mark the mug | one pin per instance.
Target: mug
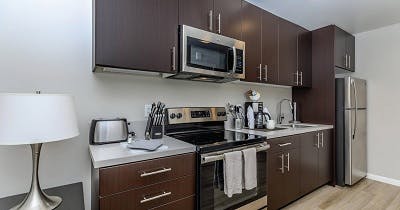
(271, 124)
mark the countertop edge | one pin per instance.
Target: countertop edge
(132, 159)
(287, 132)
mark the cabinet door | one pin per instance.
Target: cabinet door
(340, 48)
(251, 26)
(270, 31)
(136, 34)
(305, 57)
(288, 53)
(196, 13)
(228, 18)
(308, 162)
(276, 184)
(325, 157)
(292, 175)
(350, 46)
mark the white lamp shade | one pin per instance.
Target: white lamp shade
(36, 118)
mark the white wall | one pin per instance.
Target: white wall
(378, 61)
(46, 45)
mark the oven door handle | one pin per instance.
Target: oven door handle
(234, 60)
(212, 157)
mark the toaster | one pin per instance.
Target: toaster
(106, 131)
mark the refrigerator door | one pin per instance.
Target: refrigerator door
(355, 93)
(355, 145)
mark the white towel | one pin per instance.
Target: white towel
(233, 168)
(250, 168)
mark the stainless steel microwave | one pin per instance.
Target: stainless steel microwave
(210, 57)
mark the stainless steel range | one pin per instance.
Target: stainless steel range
(204, 127)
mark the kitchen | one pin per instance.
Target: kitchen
(55, 56)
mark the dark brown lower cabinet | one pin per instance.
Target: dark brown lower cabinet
(153, 196)
(297, 165)
(325, 157)
(309, 162)
(162, 183)
(283, 176)
(316, 160)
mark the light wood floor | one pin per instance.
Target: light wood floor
(366, 195)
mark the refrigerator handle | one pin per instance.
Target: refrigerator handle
(356, 109)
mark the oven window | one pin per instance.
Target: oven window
(206, 55)
(212, 194)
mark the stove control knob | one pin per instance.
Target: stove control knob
(172, 116)
(179, 115)
(223, 113)
(219, 114)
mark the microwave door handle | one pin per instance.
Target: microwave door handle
(234, 60)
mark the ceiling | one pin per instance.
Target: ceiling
(354, 16)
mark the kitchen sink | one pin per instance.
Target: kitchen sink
(268, 130)
(298, 126)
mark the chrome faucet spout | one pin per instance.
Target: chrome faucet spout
(293, 108)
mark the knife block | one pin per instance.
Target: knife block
(156, 132)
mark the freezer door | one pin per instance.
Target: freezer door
(355, 145)
(355, 93)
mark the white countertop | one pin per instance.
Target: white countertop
(285, 132)
(118, 153)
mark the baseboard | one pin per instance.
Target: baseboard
(383, 179)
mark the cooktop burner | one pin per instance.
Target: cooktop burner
(208, 141)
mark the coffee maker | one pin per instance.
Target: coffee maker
(256, 106)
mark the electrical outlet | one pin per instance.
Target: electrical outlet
(147, 110)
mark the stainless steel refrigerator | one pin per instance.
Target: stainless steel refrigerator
(351, 130)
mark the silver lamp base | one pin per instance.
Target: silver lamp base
(36, 199)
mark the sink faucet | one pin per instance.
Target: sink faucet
(293, 107)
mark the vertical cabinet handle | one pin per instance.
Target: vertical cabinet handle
(259, 70)
(345, 64)
(297, 78)
(282, 168)
(173, 52)
(288, 162)
(322, 139)
(219, 23)
(301, 78)
(317, 141)
(210, 20)
(266, 73)
(349, 61)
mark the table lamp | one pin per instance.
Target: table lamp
(35, 119)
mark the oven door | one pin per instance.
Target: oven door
(206, 53)
(211, 194)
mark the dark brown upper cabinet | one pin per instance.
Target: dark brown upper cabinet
(218, 16)
(305, 57)
(251, 26)
(270, 45)
(288, 40)
(197, 13)
(344, 49)
(228, 18)
(136, 34)
(295, 59)
(260, 32)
